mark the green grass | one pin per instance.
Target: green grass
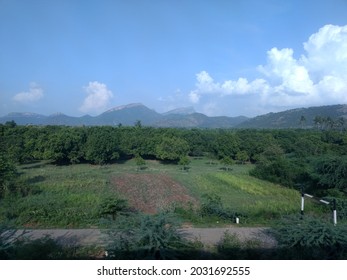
(70, 196)
(259, 202)
(67, 196)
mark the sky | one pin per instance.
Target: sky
(222, 57)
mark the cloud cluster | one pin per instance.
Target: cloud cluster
(98, 97)
(35, 93)
(206, 85)
(317, 77)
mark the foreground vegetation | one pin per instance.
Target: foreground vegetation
(76, 196)
(63, 177)
(157, 237)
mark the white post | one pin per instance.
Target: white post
(334, 212)
(335, 218)
(237, 220)
(302, 203)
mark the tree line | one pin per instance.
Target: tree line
(314, 158)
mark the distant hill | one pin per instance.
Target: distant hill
(295, 118)
(199, 120)
(129, 115)
(184, 118)
(24, 118)
(181, 111)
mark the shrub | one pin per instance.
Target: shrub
(6, 235)
(310, 238)
(212, 206)
(15, 246)
(147, 237)
(231, 247)
(113, 206)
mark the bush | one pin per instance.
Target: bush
(17, 247)
(212, 206)
(6, 235)
(231, 247)
(7, 174)
(147, 237)
(331, 172)
(310, 238)
(113, 206)
(341, 207)
(278, 171)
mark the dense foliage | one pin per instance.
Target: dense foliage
(148, 237)
(316, 159)
(310, 238)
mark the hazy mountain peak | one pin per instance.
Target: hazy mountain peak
(23, 114)
(57, 114)
(184, 117)
(122, 107)
(181, 111)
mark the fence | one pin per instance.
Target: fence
(303, 195)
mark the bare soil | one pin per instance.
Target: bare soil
(150, 193)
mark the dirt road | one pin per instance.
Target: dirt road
(211, 236)
(208, 236)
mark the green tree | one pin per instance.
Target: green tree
(147, 237)
(227, 144)
(318, 122)
(65, 146)
(138, 124)
(255, 142)
(113, 206)
(101, 145)
(227, 162)
(302, 121)
(308, 145)
(7, 173)
(11, 124)
(331, 172)
(140, 162)
(341, 122)
(242, 157)
(184, 162)
(172, 149)
(311, 238)
(274, 167)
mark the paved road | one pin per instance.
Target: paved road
(208, 236)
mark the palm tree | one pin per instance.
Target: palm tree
(302, 121)
(317, 121)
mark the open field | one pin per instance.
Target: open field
(71, 196)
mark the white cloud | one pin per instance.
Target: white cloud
(210, 108)
(207, 86)
(35, 93)
(98, 97)
(194, 96)
(243, 87)
(327, 52)
(319, 76)
(282, 67)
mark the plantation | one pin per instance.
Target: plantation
(131, 178)
(71, 196)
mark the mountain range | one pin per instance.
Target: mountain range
(183, 118)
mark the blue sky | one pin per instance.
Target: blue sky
(223, 57)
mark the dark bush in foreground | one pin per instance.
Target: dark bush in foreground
(14, 247)
(150, 237)
(310, 238)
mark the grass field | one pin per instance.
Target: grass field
(70, 196)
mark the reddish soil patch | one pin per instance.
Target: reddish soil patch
(151, 192)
